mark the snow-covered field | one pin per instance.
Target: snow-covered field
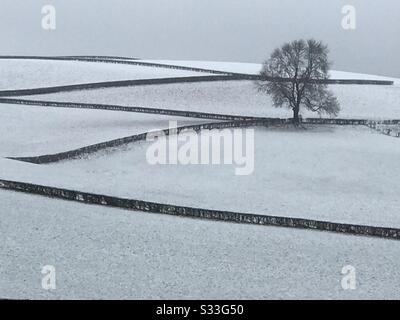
(108, 253)
(340, 174)
(255, 68)
(27, 131)
(237, 97)
(333, 173)
(236, 67)
(26, 74)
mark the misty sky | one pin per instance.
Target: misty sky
(221, 30)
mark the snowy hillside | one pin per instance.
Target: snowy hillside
(341, 174)
(237, 98)
(154, 256)
(25, 74)
(38, 130)
(255, 68)
(327, 186)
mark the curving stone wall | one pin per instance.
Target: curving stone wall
(218, 76)
(246, 122)
(117, 84)
(68, 155)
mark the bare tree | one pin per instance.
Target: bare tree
(294, 76)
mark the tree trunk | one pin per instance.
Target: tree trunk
(296, 118)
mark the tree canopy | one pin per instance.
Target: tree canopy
(294, 76)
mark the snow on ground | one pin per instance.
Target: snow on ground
(115, 254)
(27, 131)
(335, 74)
(237, 97)
(255, 68)
(25, 74)
(340, 174)
(236, 67)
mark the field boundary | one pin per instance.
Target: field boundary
(108, 107)
(208, 214)
(382, 127)
(76, 153)
(246, 122)
(117, 60)
(158, 81)
(188, 114)
(118, 84)
(216, 76)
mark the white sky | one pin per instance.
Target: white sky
(231, 30)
